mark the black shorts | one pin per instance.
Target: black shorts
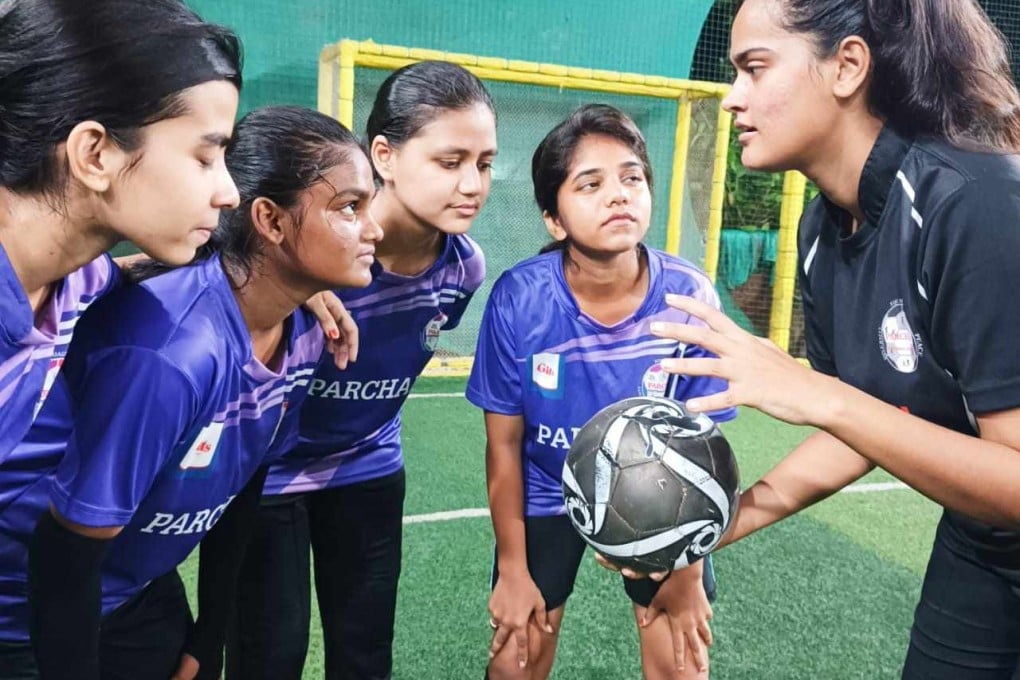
(967, 624)
(141, 640)
(554, 556)
(355, 534)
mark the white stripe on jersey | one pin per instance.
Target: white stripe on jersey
(811, 256)
(910, 194)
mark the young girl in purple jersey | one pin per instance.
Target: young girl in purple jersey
(339, 493)
(906, 116)
(175, 393)
(113, 119)
(565, 334)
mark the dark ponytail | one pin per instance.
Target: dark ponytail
(940, 67)
(413, 96)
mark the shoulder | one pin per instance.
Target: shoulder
(465, 254)
(531, 276)
(94, 279)
(681, 276)
(936, 175)
(178, 315)
(307, 338)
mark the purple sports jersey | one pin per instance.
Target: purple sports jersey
(171, 416)
(350, 425)
(32, 348)
(539, 356)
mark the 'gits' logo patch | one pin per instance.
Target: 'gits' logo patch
(430, 334)
(202, 450)
(545, 374)
(900, 346)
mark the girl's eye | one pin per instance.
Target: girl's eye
(633, 179)
(206, 164)
(449, 164)
(587, 186)
(348, 209)
(485, 165)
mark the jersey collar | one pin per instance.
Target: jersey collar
(877, 179)
(879, 173)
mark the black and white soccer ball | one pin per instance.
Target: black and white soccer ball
(650, 485)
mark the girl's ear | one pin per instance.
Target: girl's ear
(853, 65)
(554, 226)
(93, 158)
(382, 157)
(270, 220)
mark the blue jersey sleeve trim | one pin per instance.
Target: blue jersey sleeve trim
(493, 405)
(83, 513)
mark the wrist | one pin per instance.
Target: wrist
(512, 567)
(829, 405)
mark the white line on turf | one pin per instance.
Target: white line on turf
(435, 395)
(484, 512)
(448, 515)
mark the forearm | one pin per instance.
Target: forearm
(506, 503)
(65, 592)
(975, 476)
(818, 468)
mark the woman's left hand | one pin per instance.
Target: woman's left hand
(683, 600)
(187, 669)
(338, 325)
(759, 373)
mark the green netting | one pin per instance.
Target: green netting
(510, 227)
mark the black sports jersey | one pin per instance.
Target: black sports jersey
(918, 307)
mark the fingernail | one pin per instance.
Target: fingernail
(522, 664)
(667, 364)
(491, 655)
(334, 334)
(693, 405)
(672, 297)
(549, 629)
(657, 327)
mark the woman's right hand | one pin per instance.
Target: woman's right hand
(630, 573)
(516, 601)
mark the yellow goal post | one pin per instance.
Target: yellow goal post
(336, 97)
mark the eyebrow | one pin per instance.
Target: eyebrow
(598, 171)
(215, 139)
(360, 194)
(745, 56)
(464, 152)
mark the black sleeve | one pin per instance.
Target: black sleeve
(808, 276)
(220, 557)
(65, 598)
(970, 273)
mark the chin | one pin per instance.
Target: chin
(759, 162)
(174, 256)
(454, 227)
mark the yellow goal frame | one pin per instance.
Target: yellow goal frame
(336, 98)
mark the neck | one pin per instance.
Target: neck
(266, 299)
(597, 279)
(45, 244)
(837, 168)
(409, 246)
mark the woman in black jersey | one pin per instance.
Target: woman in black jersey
(903, 112)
